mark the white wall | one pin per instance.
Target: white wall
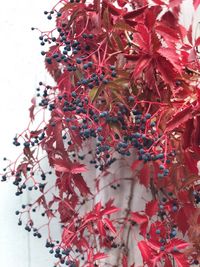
(21, 69)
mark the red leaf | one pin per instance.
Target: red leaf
(151, 16)
(191, 161)
(112, 9)
(168, 262)
(54, 67)
(97, 208)
(196, 4)
(142, 220)
(135, 13)
(110, 210)
(141, 65)
(60, 168)
(64, 81)
(124, 261)
(172, 57)
(131, 23)
(101, 228)
(121, 3)
(67, 235)
(61, 165)
(143, 38)
(31, 109)
(179, 118)
(109, 225)
(175, 3)
(167, 32)
(197, 41)
(74, 168)
(138, 218)
(158, 2)
(136, 164)
(178, 243)
(151, 208)
(166, 70)
(81, 184)
(78, 168)
(99, 256)
(58, 134)
(181, 260)
(144, 175)
(35, 133)
(145, 250)
(182, 221)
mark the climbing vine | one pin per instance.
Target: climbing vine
(126, 88)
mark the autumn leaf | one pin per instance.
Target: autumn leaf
(144, 175)
(182, 220)
(138, 218)
(179, 118)
(101, 228)
(51, 64)
(109, 210)
(196, 4)
(151, 208)
(181, 260)
(99, 256)
(112, 9)
(81, 184)
(76, 168)
(178, 244)
(124, 261)
(32, 108)
(146, 251)
(141, 220)
(109, 225)
(136, 164)
(135, 13)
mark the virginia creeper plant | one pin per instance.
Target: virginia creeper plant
(126, 87)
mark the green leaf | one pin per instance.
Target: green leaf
(94, 93)
(106, 19)
(118, 41)
(123, 26)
